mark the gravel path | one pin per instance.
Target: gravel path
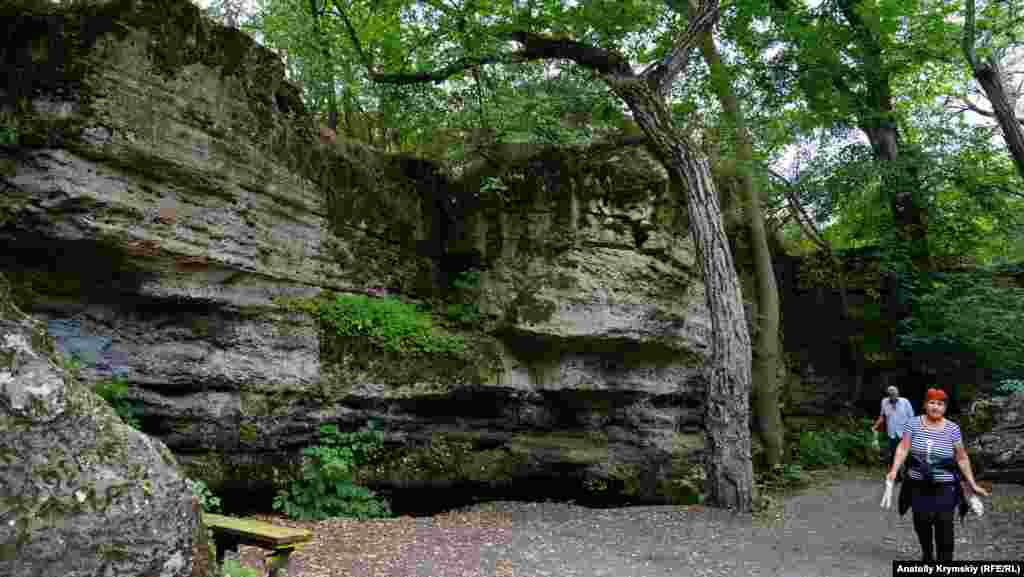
(832, 530)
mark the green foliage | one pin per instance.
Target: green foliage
(822, 449)
(968, 312)
(233, 568)
(207, 500)
(114, 392)
(783, 476)
(466, 314)
(466, 289)
(390, 324)
(72, 365)
(467, 281)
(8, 136)
(325, 488)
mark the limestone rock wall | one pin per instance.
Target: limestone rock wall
(168, 191)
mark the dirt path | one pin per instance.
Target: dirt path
(835, 530)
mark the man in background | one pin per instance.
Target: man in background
(896, 411)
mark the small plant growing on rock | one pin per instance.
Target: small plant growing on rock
(8, 136)
(389, 323)
(325, 488)
(114, 392)
(207, 500)
(466, 286)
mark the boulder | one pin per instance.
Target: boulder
(1000, 453)
(81, 493)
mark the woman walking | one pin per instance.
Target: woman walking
(932, 489)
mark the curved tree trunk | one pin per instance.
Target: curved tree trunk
(730, 475)
(764, 373)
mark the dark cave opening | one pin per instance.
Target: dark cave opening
(428, 501)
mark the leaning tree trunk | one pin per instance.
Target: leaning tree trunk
(765, 370)
(728, 466)
(990, 78)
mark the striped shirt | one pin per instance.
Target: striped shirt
(931, 449)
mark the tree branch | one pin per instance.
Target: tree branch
(536, 46)
(967, 43)
(660, 75)
(968, 105)
(367, 62)
(798, 212)
(541, 47)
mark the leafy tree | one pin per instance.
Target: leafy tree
(966, 311)
(854, 61)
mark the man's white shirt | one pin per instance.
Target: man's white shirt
(896, 415)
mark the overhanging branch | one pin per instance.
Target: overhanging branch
(534, 47)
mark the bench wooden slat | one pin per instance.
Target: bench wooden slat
(257, 532)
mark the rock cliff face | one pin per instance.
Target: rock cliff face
(168, 193)
(81, 493)
(170, 212)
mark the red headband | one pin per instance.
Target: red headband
(936, 395)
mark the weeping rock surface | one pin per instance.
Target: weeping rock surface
(81, 493)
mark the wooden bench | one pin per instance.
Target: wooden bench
(230, 532)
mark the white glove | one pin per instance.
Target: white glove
(887, 498)
(976, 505)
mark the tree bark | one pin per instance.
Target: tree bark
(988, 74)
(764, 372)
(730, 475)
(990, 78)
